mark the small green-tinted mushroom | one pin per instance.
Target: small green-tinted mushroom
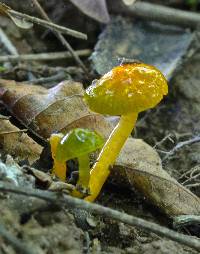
(78, 143)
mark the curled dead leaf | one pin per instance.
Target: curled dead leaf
(17, 143)
(43, 111)
(140, 164)
(96, 9)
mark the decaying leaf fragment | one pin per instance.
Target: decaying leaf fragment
(96, 9)
(143, 169)
(61, 108)
(17, 143)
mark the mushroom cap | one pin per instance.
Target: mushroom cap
(128, 88)
(78, 142)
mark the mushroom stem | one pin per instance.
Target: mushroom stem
(100, 171)
(83, 176)
(59, 167)
(84, 171)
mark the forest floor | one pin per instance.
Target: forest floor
(32, 225)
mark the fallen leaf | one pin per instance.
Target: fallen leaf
(96, 9)
(58, 109)
(17, 143)
(141, 166)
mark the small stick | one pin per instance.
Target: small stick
(60, 37)
(194, 177)
(54, 78)
(17, 244)
(43, 56)
(192, 185)
(49, 25)
(4, 117)
(159, 143)
(7, 43)
(181, 145)
(162, 14)
(71, 202)
(11, 132)
(184, 220)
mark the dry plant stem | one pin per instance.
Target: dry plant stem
(162, 14)
(159, 143)
(181, 145)
(184, 220)
(4, 117)
(107, 157)
(192, 185)
(11, 132)
(43, 56)
(49, 25)
(57, 77)
(61, 37)
(195, 177)
(7, 43)
(16, 243)
(70, 202)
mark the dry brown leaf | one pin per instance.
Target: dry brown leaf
(43, 111)
(17, 143)
(141, 165)
(96, 9)
(62, 108)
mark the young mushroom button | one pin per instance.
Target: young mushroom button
(126, 90)
(78, 143)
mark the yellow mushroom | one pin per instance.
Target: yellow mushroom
(126, 90)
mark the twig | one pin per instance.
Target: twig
(15, 242)
(4, 117)
(192, 185)
(70, 202)
(194, 177)
(7, 43)
(41, 69)
(49, 25)
(184, 220)
(162, 14)
(11, 132)
(181, 145)
(60, 37)
(159, 143)
(43, 56)
(54, 78)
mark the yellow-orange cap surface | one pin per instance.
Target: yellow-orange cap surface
(127, 88)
